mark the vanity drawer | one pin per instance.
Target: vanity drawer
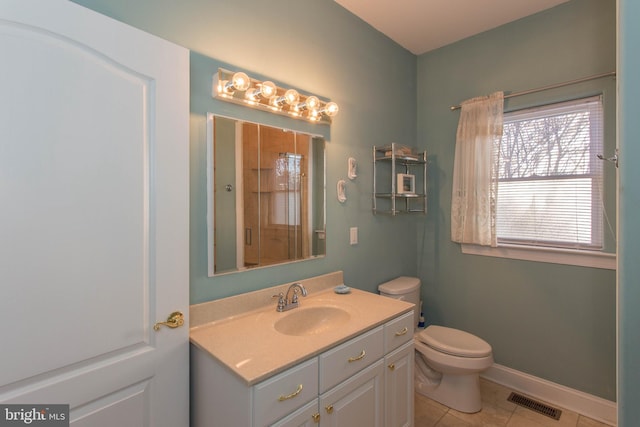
(398, 331)
(346, 359)
(284, 393)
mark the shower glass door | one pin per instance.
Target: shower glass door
(276, 213)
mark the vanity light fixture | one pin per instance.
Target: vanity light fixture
(239, 88)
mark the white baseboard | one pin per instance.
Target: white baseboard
(585, 404)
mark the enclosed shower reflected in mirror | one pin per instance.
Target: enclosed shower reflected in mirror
(274, 163)
(274, 212)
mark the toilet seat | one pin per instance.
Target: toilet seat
(454, 342)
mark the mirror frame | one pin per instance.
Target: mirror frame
(211, 199)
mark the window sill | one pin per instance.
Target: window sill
(555, 256)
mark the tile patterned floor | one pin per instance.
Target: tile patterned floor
(496, 412)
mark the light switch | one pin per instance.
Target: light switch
(353, 235)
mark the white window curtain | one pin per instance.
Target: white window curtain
(475, 171)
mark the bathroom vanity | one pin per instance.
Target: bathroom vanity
(336, 360)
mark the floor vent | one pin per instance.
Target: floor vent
(534, 405)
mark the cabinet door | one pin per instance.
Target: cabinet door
(357, 401)
(398, 391)
(307, 416)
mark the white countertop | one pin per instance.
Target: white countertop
(249, 345)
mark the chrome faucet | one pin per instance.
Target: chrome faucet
(284, 302)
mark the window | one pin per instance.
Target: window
(550, 180)
(285, 204)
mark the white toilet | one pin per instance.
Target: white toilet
(448, 361)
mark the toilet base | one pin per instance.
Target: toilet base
(459, 392)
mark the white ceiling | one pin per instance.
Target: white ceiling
(423, 25)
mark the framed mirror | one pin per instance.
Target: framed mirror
(266, 191)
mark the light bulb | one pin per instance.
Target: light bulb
(312, 102)
(265, 89)
(331, 109)
(240, 81)
(252, 94)
(314, 115)
(291, 96)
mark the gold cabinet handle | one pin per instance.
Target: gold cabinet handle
(392, 367)
(329, 409)
(174, 320)
(360, 357)
(402, 332)
(292, 395)
(316, 418)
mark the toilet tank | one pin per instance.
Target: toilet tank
(405, 289)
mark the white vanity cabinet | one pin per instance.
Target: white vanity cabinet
(365, 381)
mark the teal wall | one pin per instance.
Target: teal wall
(629, 226)
(553, 321)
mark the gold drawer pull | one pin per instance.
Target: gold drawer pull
(360, 357)
(316, 418)
(402, 332)
(292, 395)
(392, 367)
(329, 409)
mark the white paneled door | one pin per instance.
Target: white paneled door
(93, 216)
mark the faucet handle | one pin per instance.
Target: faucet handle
(294, 298)
(281, 302)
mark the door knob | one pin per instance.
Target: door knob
(174, 320)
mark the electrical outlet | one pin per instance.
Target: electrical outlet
(353, 235)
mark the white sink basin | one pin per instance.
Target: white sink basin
(311, 320)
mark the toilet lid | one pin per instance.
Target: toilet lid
(454, 342)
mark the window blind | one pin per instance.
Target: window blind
(550, 180)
